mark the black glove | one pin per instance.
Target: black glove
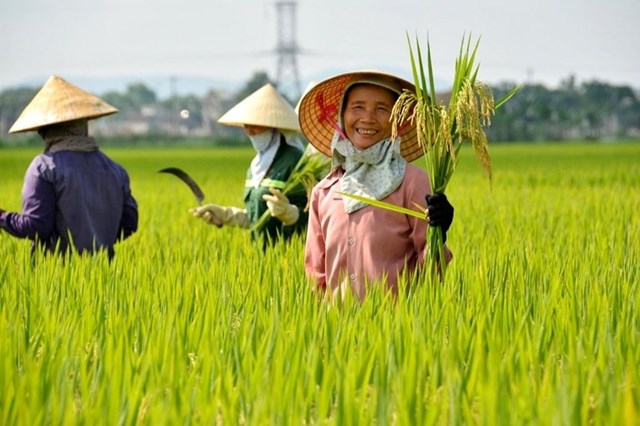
(439, 212)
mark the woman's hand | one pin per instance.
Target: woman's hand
(279, 207)
(217, 215)
(439, 212)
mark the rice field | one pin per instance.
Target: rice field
(537, 323)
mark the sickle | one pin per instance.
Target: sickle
(195, 188)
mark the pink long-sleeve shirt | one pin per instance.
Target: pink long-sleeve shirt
(369, 245)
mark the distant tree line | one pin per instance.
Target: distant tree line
(591, 110)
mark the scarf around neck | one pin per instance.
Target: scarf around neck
(69, 136)
(374, 172)
(73, 143)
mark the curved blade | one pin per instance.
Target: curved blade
(195, 188)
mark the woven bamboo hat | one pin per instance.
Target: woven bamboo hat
(319, 109)
(264, 107)
(57, 102)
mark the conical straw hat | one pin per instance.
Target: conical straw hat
(264, 107)
(57, 102)
(319, 110)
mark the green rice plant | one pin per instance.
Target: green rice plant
(442, 129)
(536, 323)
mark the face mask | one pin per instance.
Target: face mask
(262, 141)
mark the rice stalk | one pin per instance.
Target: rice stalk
(442, 129)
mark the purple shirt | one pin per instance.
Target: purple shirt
(370, 244)
(84, 194)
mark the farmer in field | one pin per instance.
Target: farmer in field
(74, 197)
(349, 243)
(271, 124)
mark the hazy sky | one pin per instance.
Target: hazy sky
(522, 41)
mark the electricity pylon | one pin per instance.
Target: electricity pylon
(287, 80)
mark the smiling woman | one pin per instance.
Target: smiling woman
(351, 244)
(367, 113)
